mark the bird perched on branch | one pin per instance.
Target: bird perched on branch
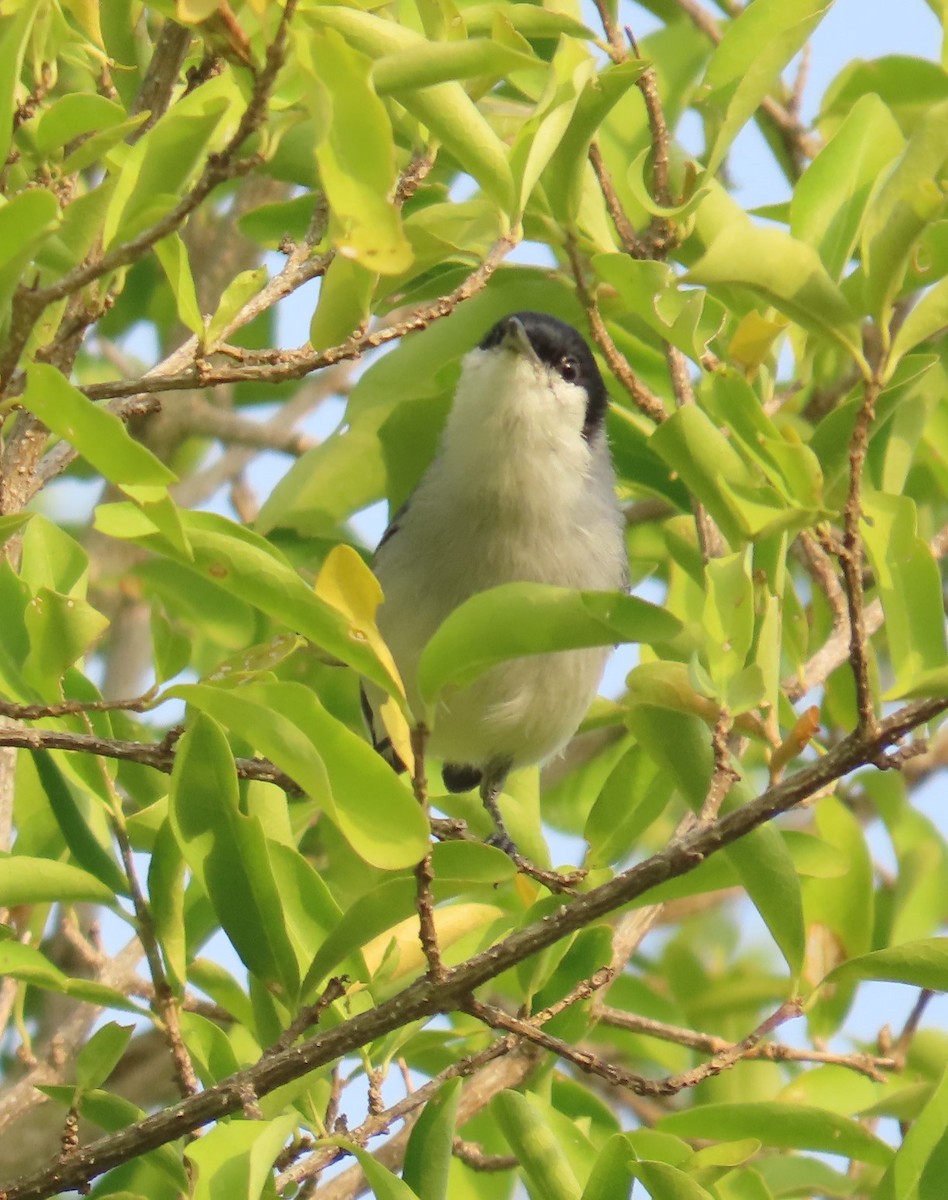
(522, 488)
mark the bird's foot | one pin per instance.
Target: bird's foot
(556, 881)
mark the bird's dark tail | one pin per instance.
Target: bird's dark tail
(460, 777)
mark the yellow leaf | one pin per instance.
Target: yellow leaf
(402, 942)
(753, 339)
(347, 585)
(190, 12)
(86, 13)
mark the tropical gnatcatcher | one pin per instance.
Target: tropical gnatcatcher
(522, 488)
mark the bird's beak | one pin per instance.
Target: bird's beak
(515, 339)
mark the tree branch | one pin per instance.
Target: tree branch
(424, 998)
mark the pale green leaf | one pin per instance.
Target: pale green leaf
(744, 67)
(429, 1150)
(787, 273)
(922, 964)
(375, 811)
(173, 256)
(97, 434)
(355, 151)
(530, 618)
(789, 1126)
(226, 850)
(831, 197)
(27, 880)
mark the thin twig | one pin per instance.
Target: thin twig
(631, 242)
(724, 775)
(851, 559)
(165, 1002)
(424, 871)
(644, 399)
(617, 1076)
(36, 712)
(871, 1065)
(648, 85)
(378, 1123)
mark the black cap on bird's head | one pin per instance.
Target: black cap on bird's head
(556, 345)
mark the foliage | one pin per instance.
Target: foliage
(173, 176)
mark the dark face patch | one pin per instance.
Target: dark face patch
(564, 349)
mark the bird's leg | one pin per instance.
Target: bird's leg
(492, 784)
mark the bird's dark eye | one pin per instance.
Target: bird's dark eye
(568, 367)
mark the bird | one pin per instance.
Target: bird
(521, 489)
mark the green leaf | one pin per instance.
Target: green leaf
(612, 1172)
(173, 256)
(906, 202)
(923, 964)
(531, 618)
(926, 319)
(61, 629)
(429, 1149)
(25, 223)
(271, 224)
(918, 1170)
(694, 447)
(26, 963)
(309, 909)
(633, 795)
(842, 904)
(909, 584)
(355, 151)
(78, 832)
(345, 303)
(789, 1126)
(728, 618)
(567, 167)
(427, 63)
(154, 171)
(681, 745)
(101, 1053)
(744, 67)
(668, 1182)
(540, 136)
(97, 434)
(527, 19)
(25, 880)
(788, 465)
(787, 273)
(13, 41)
(445, 108)
(384, 1185)
(72, 115)
(377, 814)
(373, 913)
(242, 288)
(688, 318)
(167, 870)
(95, 148)
(524, 1124)
(831, 196)
(234, 1160)
(10, 523)
(242, 563)
(909, 86)
(227, 852)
